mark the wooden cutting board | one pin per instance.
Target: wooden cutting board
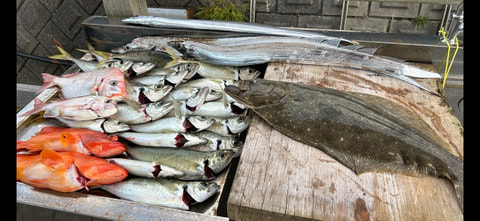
(279, 178)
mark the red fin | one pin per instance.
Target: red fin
(48, 81)
(26, 146)
(37, 107)
(66, 139)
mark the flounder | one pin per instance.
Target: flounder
(363, 132)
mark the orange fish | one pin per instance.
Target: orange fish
(66, 171)
(78, 140)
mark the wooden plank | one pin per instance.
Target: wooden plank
(125, 8)
(279, 178)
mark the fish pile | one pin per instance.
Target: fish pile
(144, 125)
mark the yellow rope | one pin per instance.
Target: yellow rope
(447, 55)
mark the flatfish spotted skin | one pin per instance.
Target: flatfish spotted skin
(359, 133)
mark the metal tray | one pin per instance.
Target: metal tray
(86, 203)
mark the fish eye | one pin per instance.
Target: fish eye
(250, 71)
(158, 86)
(108, 101)
(127, 47)
(111, 161)
(114, 83)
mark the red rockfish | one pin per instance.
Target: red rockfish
(66, 171)
(73, 139)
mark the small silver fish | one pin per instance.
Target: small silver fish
(173, 124)
(146, 169)
(197, 165)
(167, 139)
(164, 192)
(101, 125)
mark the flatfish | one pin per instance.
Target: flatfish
(363, 132)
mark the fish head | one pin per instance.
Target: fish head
(157, 91)
(200, 122)
(219, 160)
(103, 106)
(113, 126)
(238, 124)
(191, 68)
(122, 65)
(201, 191)
(257, 93)
(102, 145)
(112, 84)
(98, 171)
(248, 73)
(142, 67)
(158, 109)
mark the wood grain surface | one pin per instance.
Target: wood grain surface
(278, 178)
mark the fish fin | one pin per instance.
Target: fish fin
(175, 55)
(29, 147)
(176, 107)
(224, 97)
(48, 81)
(67, 138)
(52, 159)
(37, 107)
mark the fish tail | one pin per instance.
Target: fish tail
(63, 56)
(37, 107)
(26, 146)
(48, 81)
(175, 55)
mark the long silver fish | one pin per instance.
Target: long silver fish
(164, 192)
(361, 131)
(230, 26)
(197, 165)
(251, 54)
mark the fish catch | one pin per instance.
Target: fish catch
(363, 132)
(78, 140)
(66, 171)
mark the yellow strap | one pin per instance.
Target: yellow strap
(447, 55)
